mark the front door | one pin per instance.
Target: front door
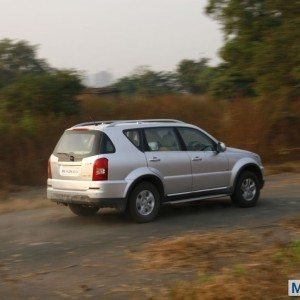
(210, 169)
(166, 158)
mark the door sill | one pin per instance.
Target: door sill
(194, 196)
(195, 199)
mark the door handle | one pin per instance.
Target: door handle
(154, 159)
(196, 158)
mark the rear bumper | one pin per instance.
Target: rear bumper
(103, 194)
(75, 197)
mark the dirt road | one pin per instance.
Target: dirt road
(49, 253)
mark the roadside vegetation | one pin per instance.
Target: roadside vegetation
(228, 264)
(27, 142)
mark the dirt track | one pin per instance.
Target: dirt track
(49, 253)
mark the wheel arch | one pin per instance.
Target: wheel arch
(252, 167)
(147, 178)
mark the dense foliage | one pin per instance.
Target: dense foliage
(190, 77)
(145, 81)
(18, 59)
(262, 43)
(42, 94)
(29, 84)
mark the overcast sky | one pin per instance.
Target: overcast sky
(113, 35)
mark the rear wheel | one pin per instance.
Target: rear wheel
(247, 190)
(144, 202)
(83, 210)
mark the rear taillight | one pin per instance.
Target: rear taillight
(49, 169)
(100, 170)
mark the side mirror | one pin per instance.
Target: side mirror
(221, 147)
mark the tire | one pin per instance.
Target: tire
(83, 210)
(143, 203)
(247, 190)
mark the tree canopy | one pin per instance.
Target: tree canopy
(195, 76)
(42, 94)
(262, 42)
(18, 59)
(260, 56)
(28, 83)
(147, 82)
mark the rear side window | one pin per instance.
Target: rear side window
(134, 137)
(161, 139)
(106, 145)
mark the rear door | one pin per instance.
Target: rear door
(209, 168)
(166, 158)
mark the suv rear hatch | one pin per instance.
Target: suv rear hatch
(74, 157)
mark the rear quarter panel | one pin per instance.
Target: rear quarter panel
(127, 157)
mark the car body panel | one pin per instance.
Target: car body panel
(210, 170)
(173, 167)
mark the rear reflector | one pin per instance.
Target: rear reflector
(49, 169)
(100, 170)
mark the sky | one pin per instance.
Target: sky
(113, 35)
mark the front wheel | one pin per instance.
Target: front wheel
(247, 190)
(144, 202)
(83, 210)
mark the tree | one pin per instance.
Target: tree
(229, 83)
(18, 59)
(43, 94)
(146, 82)
(262, 42)
(194, 76)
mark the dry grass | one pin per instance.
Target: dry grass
(263, 277)
(292, 224)
(236, 264)
(285, 167)
(205, 251)
(245, 124)
(25, 145)
(283, 182)
(23, 199)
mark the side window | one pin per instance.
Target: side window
(106, 145)
(134, 136)
(195, 140)
(161, 139)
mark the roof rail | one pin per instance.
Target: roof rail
(116, 122)
(144, 121)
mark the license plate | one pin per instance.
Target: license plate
(63, 197)
(71, 198)
(70, 171)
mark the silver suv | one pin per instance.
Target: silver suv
(138, 165)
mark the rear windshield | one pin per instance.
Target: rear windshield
(83, 143)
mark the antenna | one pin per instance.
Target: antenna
(92, 119)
